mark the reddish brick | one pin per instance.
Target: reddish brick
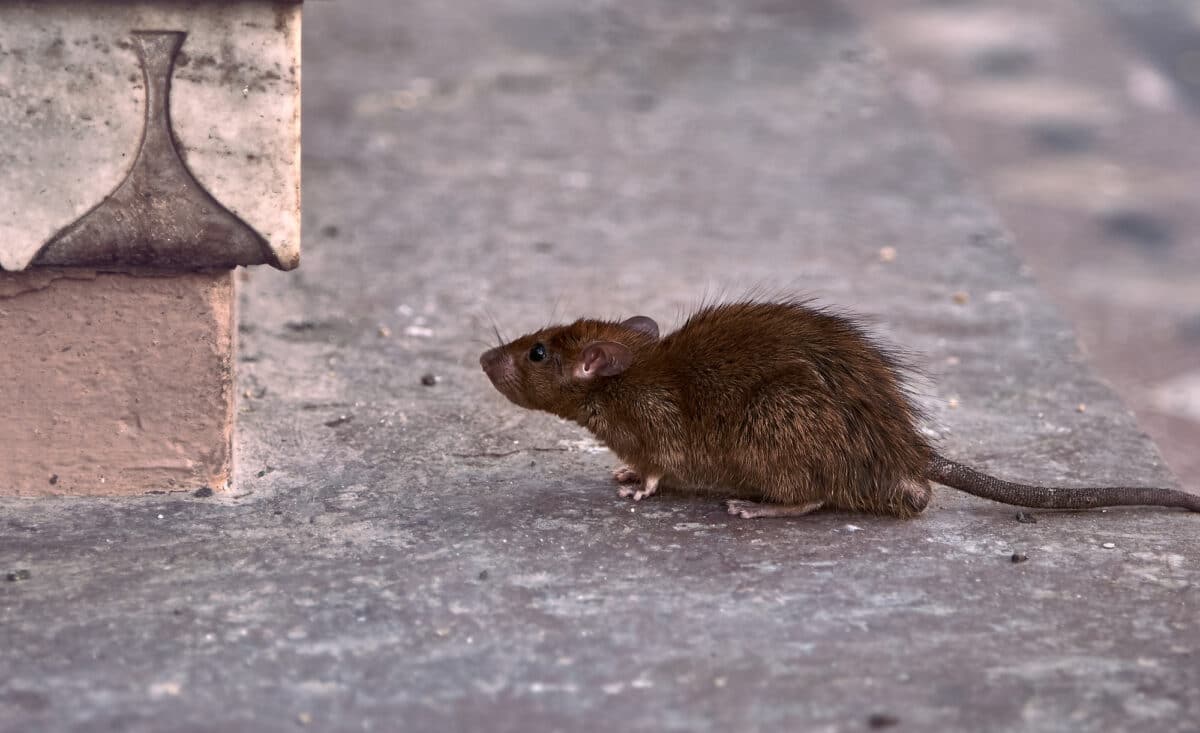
(115, 384)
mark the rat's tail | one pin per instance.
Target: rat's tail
(965, 478)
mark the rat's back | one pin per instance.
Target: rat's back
(797, 403)
(740, 345)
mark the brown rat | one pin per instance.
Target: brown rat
(783, 407)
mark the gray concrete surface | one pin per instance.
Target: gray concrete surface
(407, 557)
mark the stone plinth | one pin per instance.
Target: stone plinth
(149, 149)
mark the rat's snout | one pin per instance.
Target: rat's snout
(496, 363)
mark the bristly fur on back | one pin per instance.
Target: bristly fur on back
(776, 401)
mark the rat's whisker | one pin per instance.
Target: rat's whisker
(496, 330)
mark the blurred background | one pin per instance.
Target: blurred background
(1080, 121)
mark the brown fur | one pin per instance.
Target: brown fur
(777, 402)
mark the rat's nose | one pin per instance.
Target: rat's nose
(491, 360)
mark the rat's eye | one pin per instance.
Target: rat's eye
(537, 353)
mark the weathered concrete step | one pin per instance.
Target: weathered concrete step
(428, 554)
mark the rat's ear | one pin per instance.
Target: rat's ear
(603, 359)
(645, 324)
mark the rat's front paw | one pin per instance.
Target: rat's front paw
(649, 488)
(626, 475)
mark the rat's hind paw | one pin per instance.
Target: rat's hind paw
(754, 510)
(626, 475)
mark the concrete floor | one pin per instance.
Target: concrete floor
(399, 556)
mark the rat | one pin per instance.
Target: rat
(781, 408)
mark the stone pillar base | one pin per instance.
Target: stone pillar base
(114, 383)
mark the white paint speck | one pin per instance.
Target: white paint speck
(578, 180)
(923, 89)
(540, 687)
(1149, 88)
(586, 445)
(165, 689)
(1179, 396)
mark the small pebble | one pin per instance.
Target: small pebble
(1081, 408)
(53, 479)
(483, 575)
(1108, 545)
(304, 718)
(1019, 557)
(384, 332)
(429, 380)
(1026, 518)
(887, 254)
(961, 297)
(19, 575)
(339, 420)
(952, 403)
(202, 493)
(882, 720)
(160, 516)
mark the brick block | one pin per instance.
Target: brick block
(115, 383)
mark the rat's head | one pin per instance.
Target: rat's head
(553, 369)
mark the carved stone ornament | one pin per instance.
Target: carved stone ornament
(156, 135)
